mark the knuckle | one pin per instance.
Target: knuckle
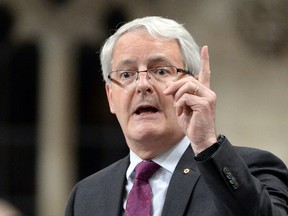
(213, 96)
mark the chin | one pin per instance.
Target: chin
(147, 131)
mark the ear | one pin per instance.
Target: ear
(108, 88)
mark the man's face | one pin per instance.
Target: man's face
(147, 116)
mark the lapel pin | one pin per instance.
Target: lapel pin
(186, 170)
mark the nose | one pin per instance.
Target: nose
(143, 82)
(144, 73)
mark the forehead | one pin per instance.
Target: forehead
(139, 47)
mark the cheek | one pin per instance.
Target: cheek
(122, 104)
(168, 106)
(118, 99)
(172, 113)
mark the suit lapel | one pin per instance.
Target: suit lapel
(181, 185)
(115, 191)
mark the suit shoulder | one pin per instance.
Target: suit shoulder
(91, 194)
(107, 173)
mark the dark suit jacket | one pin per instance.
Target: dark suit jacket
(234, 181)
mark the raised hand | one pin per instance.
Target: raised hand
(195, 105)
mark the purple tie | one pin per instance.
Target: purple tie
(139, 201)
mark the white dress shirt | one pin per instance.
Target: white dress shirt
(160, 180)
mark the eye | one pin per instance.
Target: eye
(124, 75)
(162, 72)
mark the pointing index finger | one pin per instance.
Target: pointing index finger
(204, 75)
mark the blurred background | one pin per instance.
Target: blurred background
(55, 124)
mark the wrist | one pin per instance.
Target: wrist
(198, 148)
(207, 153)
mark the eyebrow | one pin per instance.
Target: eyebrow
(126, 62)
(159, 59)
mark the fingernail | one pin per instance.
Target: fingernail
(179, 111)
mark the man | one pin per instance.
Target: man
(158, 86)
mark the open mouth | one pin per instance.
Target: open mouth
(145, 110)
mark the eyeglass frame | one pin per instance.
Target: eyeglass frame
(136, 72)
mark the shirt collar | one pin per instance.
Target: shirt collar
(167, 160)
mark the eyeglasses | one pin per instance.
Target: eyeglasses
(160, 74)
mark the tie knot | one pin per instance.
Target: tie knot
(145, 169)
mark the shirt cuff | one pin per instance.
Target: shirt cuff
(207, 153)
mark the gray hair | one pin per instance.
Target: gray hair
(160, 28)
